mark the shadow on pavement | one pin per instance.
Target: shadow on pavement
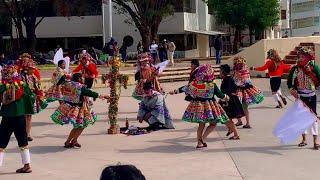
(40, 149)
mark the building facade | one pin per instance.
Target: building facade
(190, 28)
(303, 18)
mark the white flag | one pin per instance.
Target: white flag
(295, 122)
(162, 65)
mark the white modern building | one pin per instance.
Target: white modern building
(190, 28)
(303, 18)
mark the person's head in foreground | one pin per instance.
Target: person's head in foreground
(62, 64)
(225, 70)
(305, 56)
(77, 77)
(148, 91)
(122, 172)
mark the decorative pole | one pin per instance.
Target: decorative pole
(116, 81)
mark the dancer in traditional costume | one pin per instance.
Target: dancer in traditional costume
(203, 107)
(76, 109)
(22, 61)
(248, 94)
(146, 74)
(153, 110)
(34, 84)
(302, 82)
(233, 107)
(275, 68)
(58, 78)
(88, 69)
(16, 103)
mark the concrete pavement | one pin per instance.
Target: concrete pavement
(168, 154)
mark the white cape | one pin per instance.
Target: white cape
(295, 122)
(59, 56)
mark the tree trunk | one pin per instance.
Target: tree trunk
(31, 40)
(155, 29)
(20, 36)
(240, 38)
(146, 38)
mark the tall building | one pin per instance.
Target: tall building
(304, 18)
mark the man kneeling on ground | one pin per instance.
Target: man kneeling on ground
(153, 110)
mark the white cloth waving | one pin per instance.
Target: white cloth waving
(295, 122)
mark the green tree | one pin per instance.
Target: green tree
(232, 12)
(146, 15)
(261, 15)
(256, 15)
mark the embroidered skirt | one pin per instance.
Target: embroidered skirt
(54, 94)
(204, 112)
(249, 95)
(78, 116)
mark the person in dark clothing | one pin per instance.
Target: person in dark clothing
(233, 107)
(162, 51)
(111, 47)
(218, 47)
(123, 52)
(122, 172)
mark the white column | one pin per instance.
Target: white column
(110, 18)
(103, 23)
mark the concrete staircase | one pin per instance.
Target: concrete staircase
(181, 74)
(291, 58)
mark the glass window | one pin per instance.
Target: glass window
(185, 6)
(283, 14)
(303, 6)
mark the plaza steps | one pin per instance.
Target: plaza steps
(184, 60)
(291, 58)
(181, 74)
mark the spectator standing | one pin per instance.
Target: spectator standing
(140, 47)
(171, 49)
(154, 51)
(42, 58)
(162, 50)
(123, 52)
(122, 172)
(218, 47)
(111, 47)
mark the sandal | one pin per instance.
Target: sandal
(247, 127)
(284, 101)
(316, 146)
(278, 107)
(203, 143)
(239, 123)
(302, 144)
(24, 170)
(77, 145)
(229, 132)
(235, 138)
(30, 138)
(70, 145)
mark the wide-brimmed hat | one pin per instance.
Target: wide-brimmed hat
(307, 51)
(25, 57)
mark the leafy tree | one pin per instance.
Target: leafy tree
(262, 15)
(146, 15)
(256, 15)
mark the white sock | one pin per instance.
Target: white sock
(1, 158)
(279, 92)
(25, 156)
(276, 97)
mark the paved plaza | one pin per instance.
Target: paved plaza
(167, 154)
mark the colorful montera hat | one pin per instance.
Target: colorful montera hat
(205, 73)
(239, 60)
(9, 74)
(25, 57)
(273, 54)
(144, 57)
(307, 51)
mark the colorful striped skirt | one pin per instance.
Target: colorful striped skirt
(205, 112)
(249, 95)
